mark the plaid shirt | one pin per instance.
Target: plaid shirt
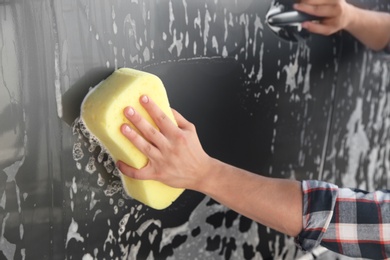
(348, 221)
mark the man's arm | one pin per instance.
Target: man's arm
(275, 203)
(302, 210)
(372, 28)
(177, 159)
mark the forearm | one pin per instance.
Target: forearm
(177, 159)
(370, 27)
(276, 203)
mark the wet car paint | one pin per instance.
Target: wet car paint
(317, 109)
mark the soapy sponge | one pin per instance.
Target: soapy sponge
(102, 114)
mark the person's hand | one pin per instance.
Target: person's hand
(175, 154)
(177, 159)
(335, 15)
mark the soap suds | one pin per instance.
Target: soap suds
(7, 248)
(57, 82)
(73, 234)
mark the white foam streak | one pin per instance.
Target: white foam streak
(72, 233)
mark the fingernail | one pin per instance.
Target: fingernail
(145, 99)
(130, 111)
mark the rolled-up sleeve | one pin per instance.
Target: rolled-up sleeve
(319, 199)
(360, 226)
(348, 221)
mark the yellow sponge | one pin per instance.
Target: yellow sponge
(102, 114)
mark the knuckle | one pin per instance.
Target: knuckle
(315, 9)
(148, 148)
(339, 8)
(192, 127)
(161, 117)
(181, 137)
(151, 131)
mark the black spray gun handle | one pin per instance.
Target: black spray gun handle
(290, 18)
(285, 22)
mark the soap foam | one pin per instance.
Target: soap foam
(6, 247)
(103, 158)
(113, 188)
(73, 234)
(78, 153)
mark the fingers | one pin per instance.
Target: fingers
(333, 15)
(323, 10)
(147, 148)
(319, 2)
(175, 155)
(149, 140)
(319, 28)
(149, 131)
(164, 123)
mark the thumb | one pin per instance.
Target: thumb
(131, 172)
(181, 121)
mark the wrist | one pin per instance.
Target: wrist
(352, 16)
(209, 178)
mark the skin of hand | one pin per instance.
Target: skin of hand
(335, 15)
(371, 28)
(177, 159)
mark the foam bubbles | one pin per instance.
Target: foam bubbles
(78, 153)
(90, 167)
(123, 222)
(91, 157)
(113, 188)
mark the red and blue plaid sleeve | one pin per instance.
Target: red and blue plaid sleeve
(319, 199)
(348, 221)
(360, 226)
